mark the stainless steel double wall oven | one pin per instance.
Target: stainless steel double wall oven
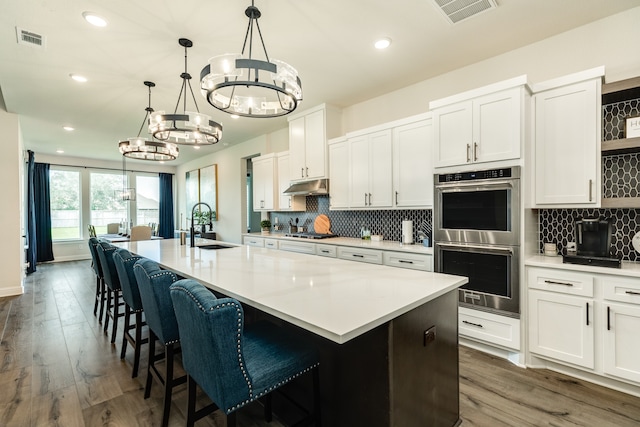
(477, 234)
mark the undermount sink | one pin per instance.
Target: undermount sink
(215, 246)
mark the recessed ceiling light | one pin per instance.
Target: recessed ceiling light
(59, 151)
(197, 147)
(68, 128)
(94, 19)
(78, 78)
(235, 116)
(383, 43)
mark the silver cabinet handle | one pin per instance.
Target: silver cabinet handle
(289, 201)
(468, 155)
(396, 197)
(301, 172)
(475, 151)
(478, 325)
(632, 293)
(369, 199)
(307, 172)
(590, 190)
(553, 282)
(365, 199)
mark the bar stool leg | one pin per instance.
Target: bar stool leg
(138, 345)
(116, 309)
(168, 383)
(103, 297)
(150, 365)
(108, 308)
(127, 315)
(95, 305)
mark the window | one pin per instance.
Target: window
(64, 187)
(106, 206)
(147, 199)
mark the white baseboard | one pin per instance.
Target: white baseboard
(9, 292)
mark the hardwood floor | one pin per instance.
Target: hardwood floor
(59, 369)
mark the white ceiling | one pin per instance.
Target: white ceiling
(328, 41)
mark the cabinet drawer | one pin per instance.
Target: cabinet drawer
(300, 247)
(405, 260)
(488, 327)
(562, 281)
(623, 289)
(363, 255)
(326, 250)
(254, 241)
(271, 243)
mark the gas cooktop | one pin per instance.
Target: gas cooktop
(311, 235)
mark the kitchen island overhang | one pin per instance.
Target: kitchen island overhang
(387, 336)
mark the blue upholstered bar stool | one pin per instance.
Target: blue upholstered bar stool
(232, 364)
(100, 287)
(105, 253)
(133, 306)
(158, 309)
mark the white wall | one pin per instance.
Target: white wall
(607, 42)
(11, 216)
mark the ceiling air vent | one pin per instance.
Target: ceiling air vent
(30, 38)
(458, 10)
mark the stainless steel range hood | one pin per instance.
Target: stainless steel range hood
(308, 188)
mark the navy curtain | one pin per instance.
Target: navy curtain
(31, 218)
(167, 225)
(42, 203)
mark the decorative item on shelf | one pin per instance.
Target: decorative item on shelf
(249, 87)
(265, 224)
(632, 127)
(188, 127)
(141, 148)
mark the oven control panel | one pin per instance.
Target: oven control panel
(477, 175)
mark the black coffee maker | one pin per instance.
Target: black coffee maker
(593, 243)
(593, 237)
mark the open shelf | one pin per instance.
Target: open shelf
(621, 146)
(620, 202)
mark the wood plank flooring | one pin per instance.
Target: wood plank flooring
(58, 368)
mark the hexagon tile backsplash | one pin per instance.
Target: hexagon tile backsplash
(388, 223)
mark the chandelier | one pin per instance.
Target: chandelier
(249, 87)
(188, 127)
(141, 148)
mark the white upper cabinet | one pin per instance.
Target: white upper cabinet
(413, 164)
(265, 183)
(480, 126)
(339, 173)
(287, 203)
(308, 134)
(370, 170)
(568, 116)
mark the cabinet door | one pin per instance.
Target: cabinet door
(359, 171)
(284, 202)
(496, 126)
(413, 165)
(453, 133)
(297, 149)
(561, 327)
(315, 146)
(567, 145)
(263, 185)
(339, 175)
(621, 355)
(380, 173)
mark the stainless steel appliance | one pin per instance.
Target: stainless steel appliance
(477, 235)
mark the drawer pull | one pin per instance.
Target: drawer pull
(405, 261)
(358, 256)
(477, 325)
(587, 314)
(632, 293)
(553, 282)
(324, 251)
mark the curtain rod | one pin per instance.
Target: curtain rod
(107, 169)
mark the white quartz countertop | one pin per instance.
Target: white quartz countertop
(630, 269)
(385, 245)
(334, 298)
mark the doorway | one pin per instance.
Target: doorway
(253, 218)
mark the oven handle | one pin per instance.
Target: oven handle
(481, 248)
(458, 185)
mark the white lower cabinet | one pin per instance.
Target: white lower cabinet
(258, 242)
(408, 260)
(490, 328)
(363, 255)
(561, 327)
(295, 246)
(587, 321)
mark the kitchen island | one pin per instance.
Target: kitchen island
(387, 337)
